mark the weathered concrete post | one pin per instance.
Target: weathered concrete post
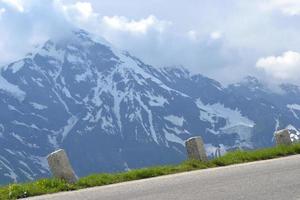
(282, 137)
(60, 166)
(195, 149)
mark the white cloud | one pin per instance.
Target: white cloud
(84, 8)
(2, 11)
(142, 26)
(193, 35)
(285, 67)
(80, 10)
(196, 40)
(288, 7)
(215, 35)
(16, 4)
(27, 23)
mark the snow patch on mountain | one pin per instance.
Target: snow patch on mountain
(32, 126)
(38, 106)
(84, 76)
(17, 66)
(210, 112)
(1, 130)
(26, 174)
(152, 130)
(244, 132)
(235, 122)
(293, 109)
(74, 59)
(294, 132)
(41, 162)
(53, 141)
(178, 121)
(50, 51)
(11, 89)
(277, 124)
(294, 106)
(10, 172)
(173, 138)
(92, 37)
(68, 127)
(157, 101)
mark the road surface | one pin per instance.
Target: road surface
(271, 179)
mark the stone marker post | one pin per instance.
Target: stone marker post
(282, 137)
(60, 166)
(195, 149)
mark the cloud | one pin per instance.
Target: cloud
(141, 26)
(215, 35)
(284, 68)
(26, 23)
(16, 4)
(287, 7)
(156, 40)
(198, 36)
(80, 10)
(2, 11)
(193, 35)
(29, 25)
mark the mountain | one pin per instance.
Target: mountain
(112, 112)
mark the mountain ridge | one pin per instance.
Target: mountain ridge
(112, 112)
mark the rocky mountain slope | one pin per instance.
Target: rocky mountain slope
(112, 112)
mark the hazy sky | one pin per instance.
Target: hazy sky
(224, 39)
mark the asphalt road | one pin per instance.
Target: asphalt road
(271, 179)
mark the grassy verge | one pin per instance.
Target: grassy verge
(46, 186)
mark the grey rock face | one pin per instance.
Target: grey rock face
(60, 166)
(282, 137)
(195, 149)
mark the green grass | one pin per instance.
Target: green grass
(46, 186)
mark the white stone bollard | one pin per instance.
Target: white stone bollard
(60, 166)
(195, 149)
(283, 137)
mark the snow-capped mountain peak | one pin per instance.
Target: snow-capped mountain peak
(111, 111)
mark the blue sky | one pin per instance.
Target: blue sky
(225, 40)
